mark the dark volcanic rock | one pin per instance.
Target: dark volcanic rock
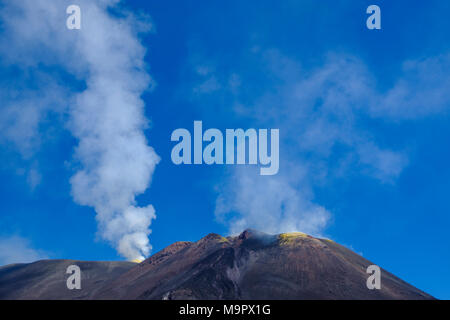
(253, 265)
(46, 279)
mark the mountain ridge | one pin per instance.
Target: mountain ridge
(252, 265)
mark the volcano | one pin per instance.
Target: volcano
(252, 265)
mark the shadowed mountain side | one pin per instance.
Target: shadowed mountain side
(255, 265)
(46, 279)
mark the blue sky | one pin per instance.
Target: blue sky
(363, 119)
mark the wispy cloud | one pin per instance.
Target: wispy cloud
(321, 113)
(421, 91)
(15, 249)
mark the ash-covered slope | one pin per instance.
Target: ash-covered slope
(46, 279)
(255, 266)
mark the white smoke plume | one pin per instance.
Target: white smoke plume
(273, 204)
(105, 114)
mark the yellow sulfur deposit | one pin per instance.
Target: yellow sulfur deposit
(289, 238)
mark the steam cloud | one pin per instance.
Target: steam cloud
(106, 116)
(319, 113)
(16, 249)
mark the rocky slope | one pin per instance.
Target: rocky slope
(46, 279)
(255, 266)
(252, 265)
